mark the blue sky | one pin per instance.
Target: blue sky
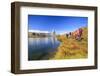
(61, 24)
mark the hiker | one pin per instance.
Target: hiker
(67, 35)
(77, 34)
(74, 34)
(80, 31)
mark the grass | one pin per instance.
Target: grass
(71, 48)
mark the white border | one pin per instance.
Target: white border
(25, 64)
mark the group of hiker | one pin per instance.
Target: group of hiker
(76, 34)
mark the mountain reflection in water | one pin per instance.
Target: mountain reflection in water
(41, 48)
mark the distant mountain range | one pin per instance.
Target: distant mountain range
(38, 31)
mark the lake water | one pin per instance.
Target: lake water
(41, 48)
